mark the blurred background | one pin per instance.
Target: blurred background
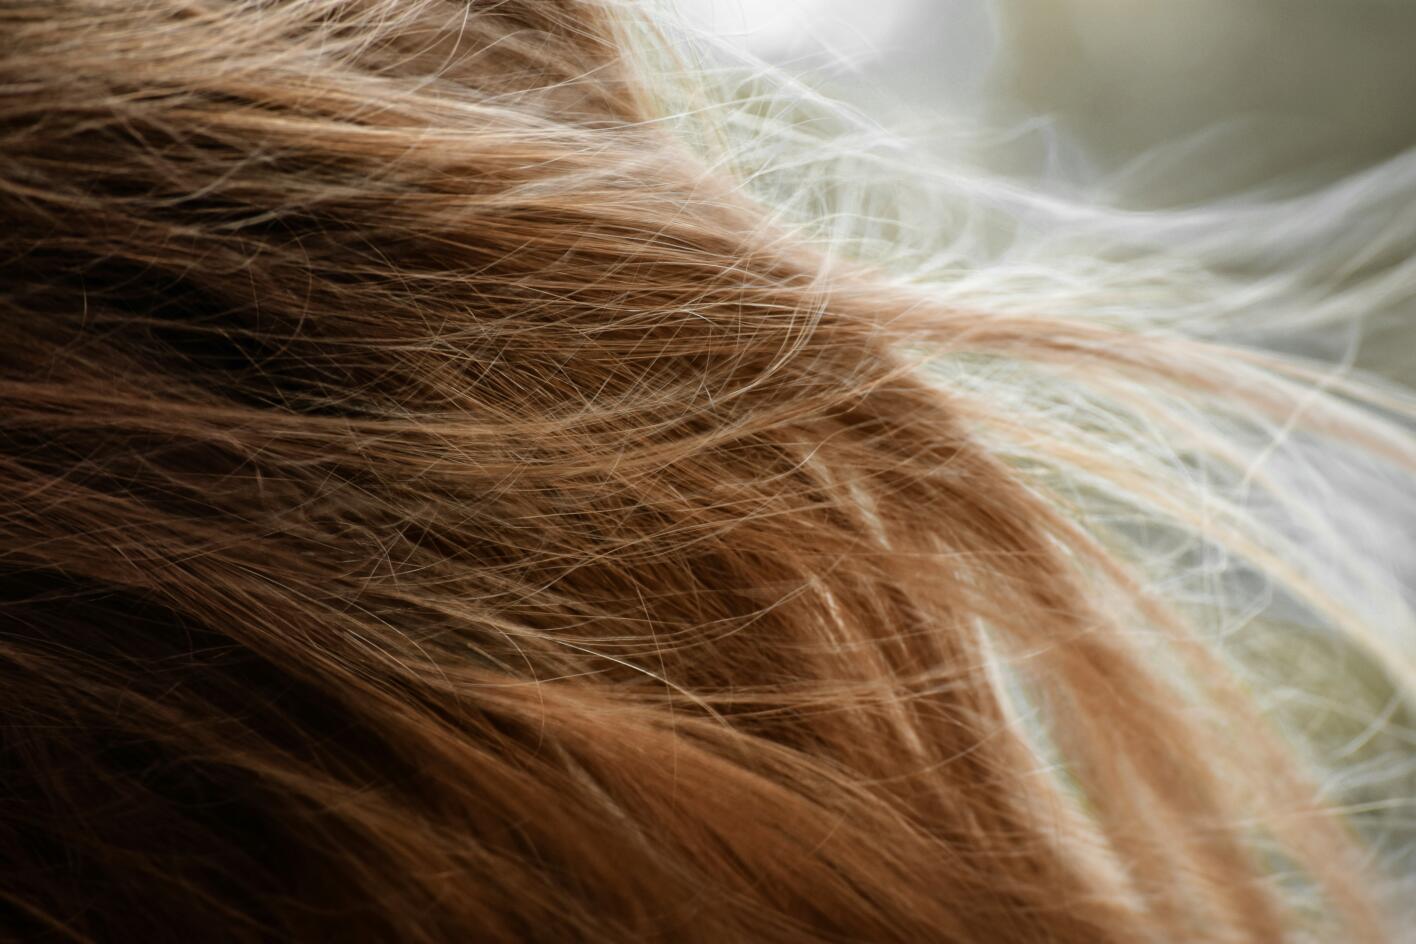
(1164, 104)
(1260, 91)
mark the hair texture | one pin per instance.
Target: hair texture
(451, 491)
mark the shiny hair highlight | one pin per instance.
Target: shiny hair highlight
(443, 501)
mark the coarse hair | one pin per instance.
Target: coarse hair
(453, 491)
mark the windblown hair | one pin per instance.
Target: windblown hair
(443, 500)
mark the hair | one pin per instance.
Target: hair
(447, 497)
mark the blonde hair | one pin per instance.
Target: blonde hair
(443, 502)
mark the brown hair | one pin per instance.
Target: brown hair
(440, 505)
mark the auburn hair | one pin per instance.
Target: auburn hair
(443, 501)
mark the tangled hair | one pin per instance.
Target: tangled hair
(443, 500)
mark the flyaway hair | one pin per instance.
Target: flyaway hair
(455, 488)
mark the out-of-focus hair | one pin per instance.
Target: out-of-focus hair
(444, 500)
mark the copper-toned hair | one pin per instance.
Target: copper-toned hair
(440, 503)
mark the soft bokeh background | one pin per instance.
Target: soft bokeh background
(1171, 102)
(1298, 89)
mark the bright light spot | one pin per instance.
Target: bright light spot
(850, 31)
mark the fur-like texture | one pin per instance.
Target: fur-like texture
(441, 502)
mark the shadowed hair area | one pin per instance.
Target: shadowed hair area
(441, 500)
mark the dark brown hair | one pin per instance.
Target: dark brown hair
(439, 505)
